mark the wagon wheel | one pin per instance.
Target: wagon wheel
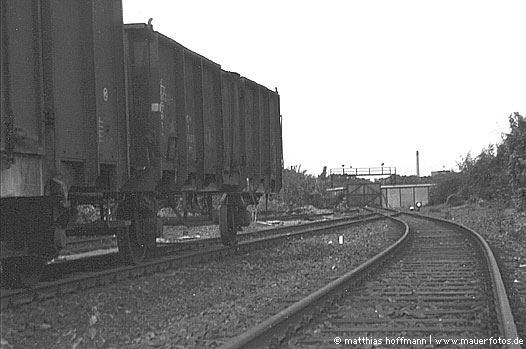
(23, 271)
(132, 243)
(138, 239)
(227, 225)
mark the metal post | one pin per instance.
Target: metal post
(417, 165)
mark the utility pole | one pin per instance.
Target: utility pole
(417, 164)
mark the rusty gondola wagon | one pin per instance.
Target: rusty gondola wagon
(124, 119)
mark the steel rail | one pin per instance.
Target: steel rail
(271, 332)
(101, 278)
(506, 321)
(68, 264)
(267, 332)
(72, 264)
(270, 231)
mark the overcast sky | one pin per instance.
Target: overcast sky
(366, 82)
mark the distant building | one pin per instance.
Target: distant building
(405, 195)
(443, 172)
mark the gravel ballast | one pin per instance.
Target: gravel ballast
(194, 306)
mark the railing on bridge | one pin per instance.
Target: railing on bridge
(364, 171)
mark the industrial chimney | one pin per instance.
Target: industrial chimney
(417, 165)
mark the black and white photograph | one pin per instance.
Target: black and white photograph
(272, 174)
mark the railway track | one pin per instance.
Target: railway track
(106, 269)
(109, 258)
(437, 284)
(108, 244)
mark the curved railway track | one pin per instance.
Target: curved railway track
(101, 270)
(438, 283)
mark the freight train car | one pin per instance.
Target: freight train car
(196, 129)
(201, 128)
(63, 124)
(123, 119)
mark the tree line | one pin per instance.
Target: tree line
(498, 173)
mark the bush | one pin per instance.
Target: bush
(446, 185)
(454, 200)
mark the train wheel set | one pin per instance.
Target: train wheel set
(131, 220)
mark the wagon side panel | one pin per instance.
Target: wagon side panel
(251, 118)
(212, 125)
(231, 128)
(275, 143)
(138, 78)
(264, 138)
(168, 103)
(71, 66)
(110, 99)
(85, 87)
(22, 126)
(193, 119)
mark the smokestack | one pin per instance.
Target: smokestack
(417, 165)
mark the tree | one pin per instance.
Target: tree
(499, 171)
(485, 177)
(515, 146)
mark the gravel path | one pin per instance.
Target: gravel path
(195, 306)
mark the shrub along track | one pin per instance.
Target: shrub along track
(439, 281)
(78, 275)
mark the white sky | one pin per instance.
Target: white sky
(366, 82)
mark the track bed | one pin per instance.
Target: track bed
(438, 286)
(196, 305)
(439, 289)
